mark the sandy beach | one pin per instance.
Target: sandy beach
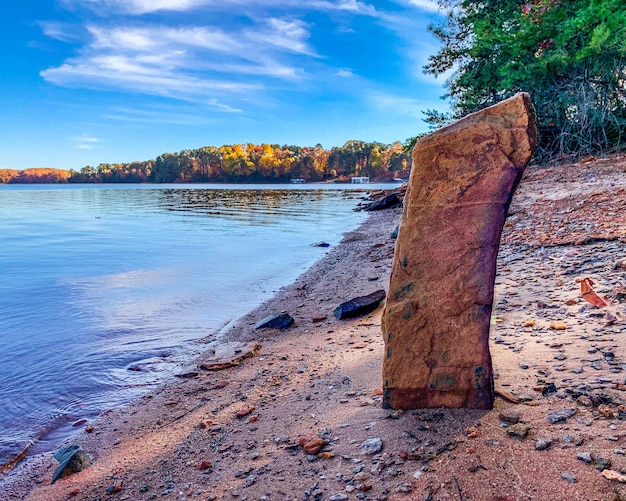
(238, 433)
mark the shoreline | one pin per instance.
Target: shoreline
(36, 467)
(236, 433)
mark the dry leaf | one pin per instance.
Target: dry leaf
(590, 295)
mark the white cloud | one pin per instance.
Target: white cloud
(345, 73)
(196, 63)
(60, 31)
(401, 105)
(140, 7)
(286, 35)
(137, 7)
(84, 142)
(180, 114)
(426, 5)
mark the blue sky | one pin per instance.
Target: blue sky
(93, 81)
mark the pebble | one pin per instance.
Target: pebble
(509, 416)
(558, 326)
(614, 476)
(585, 457)
(568, 476)
(518, 431)
(372, 446)
(543, 443)
(601, 464)
(560, 415)
(338, 497)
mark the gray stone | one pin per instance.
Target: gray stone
(73, 459)
(386, 202)
(279, 321)
(560, 415)
(568, 476)
(509, 416)
(371, 446)
(543, 443)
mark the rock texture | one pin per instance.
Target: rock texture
(436, 320)
(227, 355)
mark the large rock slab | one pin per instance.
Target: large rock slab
(437, 316)
(227, 355)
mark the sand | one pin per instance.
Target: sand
(237, 433)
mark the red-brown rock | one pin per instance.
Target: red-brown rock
(437, 316)
(314, 446)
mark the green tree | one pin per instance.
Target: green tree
(569, 55)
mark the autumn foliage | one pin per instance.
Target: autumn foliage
(240, 163)
(35, 175)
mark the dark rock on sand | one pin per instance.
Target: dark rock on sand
(73, 459)
(386, 202)
(280, 321)
(359, 305)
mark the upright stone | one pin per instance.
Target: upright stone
(436, 320)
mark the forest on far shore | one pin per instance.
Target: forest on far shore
(239, 163)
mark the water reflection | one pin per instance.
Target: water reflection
(97, 281)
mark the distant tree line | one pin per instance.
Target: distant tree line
(241, 163)
(35, 175)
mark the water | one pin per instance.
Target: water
(106, 290)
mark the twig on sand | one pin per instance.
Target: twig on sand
(458, 488)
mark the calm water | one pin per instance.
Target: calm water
(100, 280)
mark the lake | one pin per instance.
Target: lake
(106, 289)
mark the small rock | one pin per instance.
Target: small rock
(385, 202)
(509, 416)
(371, 446)
(73, 459)
(338, 497)
(245, 411)
(280, 321)
(359, 305)
(614, 476)
(568, 476)
(320, 244)
(560, 415)
(518, 431)
(115, 487)
(543, 443)
(585, 457)
(558, 326)
(314, 446)
(601, 464)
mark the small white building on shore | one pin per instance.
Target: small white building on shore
(360, 180)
